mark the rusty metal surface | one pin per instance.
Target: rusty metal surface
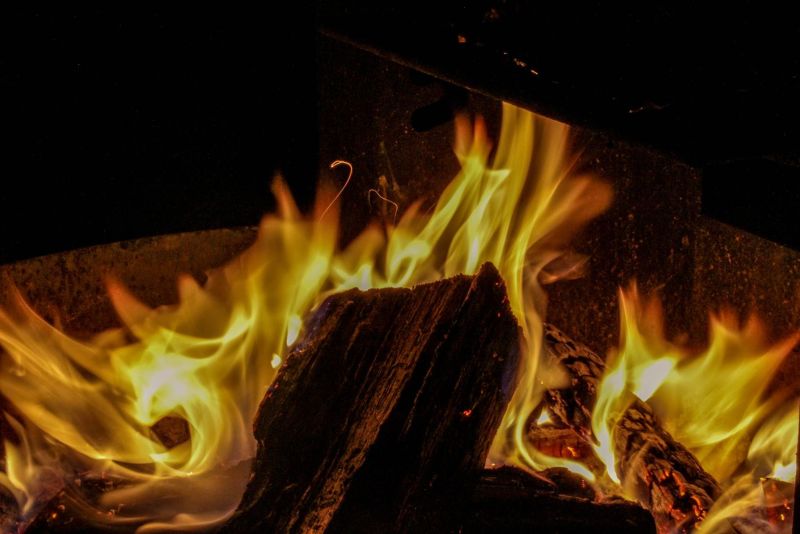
(645, 236)
(756, 275)
(70, 285)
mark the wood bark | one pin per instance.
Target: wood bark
(665, 476)
(383, 414)
(572, 406)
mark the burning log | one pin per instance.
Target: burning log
(383, 414)
(509, 500)
(666, 478)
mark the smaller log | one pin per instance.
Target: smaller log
(666, 477)
(510, 501)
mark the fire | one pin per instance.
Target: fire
(773, 449)
(88, 405)
(642, 365)
(716, 402)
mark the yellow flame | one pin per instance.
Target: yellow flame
(773, 450)
(715, 402)
(771, 456)
(638, 369)
(733, 373)
(209, 358)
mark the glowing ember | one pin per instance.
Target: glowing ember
(89, 404)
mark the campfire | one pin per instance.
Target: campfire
(406, 381)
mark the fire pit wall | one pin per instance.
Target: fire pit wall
(371, 114)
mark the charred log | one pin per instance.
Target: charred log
(510, 501)
(568, 483)
(666, 477)
(382, 416)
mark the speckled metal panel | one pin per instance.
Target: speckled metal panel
(71, 287)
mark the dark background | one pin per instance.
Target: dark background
(127, 124)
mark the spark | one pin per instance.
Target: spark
(385, 199)
(333, 165)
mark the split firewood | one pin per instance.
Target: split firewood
(382, 416)
(665, 476)
(511, 501)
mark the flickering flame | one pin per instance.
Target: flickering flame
(771, 457)
(642, 364)
(773, 450)
(715, 402)
(89, 404)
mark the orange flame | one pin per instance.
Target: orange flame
(208, 359)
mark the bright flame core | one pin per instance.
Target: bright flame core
(89, 404)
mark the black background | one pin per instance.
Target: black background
(126, 124)
(121, 124)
